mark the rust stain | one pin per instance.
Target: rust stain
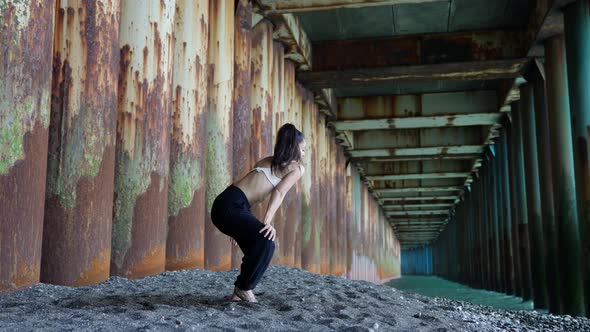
(25, 68)
(98, 270)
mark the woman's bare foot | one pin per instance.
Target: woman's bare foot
(247, 296)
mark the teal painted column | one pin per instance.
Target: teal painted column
(515, 236)
(546, 187)
(563, 174)
(497, 268)
(507, 217)
(521, 197)
(533, 189)
(577, 39)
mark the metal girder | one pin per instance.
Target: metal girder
(412, 206)
(398, 177)
(464, 71)
(418, 49)
(290, 6)
(417, 213)
(430, 150)
(416, 158)
(449, 120)
(416, 189)
(424, 198)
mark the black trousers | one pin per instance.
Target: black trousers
(231, 215)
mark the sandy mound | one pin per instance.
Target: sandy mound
(290, 300)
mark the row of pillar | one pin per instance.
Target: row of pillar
(523, 228)
(119, 125)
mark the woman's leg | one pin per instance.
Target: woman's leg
(257, 250)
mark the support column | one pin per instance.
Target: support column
(563, 175)
(80, 174)
(521, 197)
(219, 125)
(241, 101)
(185, 245)
(506, 215)
(577, 38)
(515, 236)
(495, 225)
(533, 189)
(143, 139)
(26, 36)
(537, 77)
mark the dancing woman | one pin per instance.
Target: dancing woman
(230, 212)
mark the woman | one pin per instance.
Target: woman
(230, 212)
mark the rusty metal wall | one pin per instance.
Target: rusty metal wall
(241, 100)
(219, 125)
(197, 87)
(81, 160)
(143, 139)
(185, 245)
(26, 29)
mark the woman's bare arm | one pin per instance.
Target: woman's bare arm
(278, 194)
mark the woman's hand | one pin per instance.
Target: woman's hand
(269, 231)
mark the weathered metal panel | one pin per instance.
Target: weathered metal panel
(322, 198)
(309, 241)
(241, 100)
(26, 29)
(143, 146)
(80, 175)
(219, 124)
(185, 245)
(577, 36)
(277, 85)
(290, 111)
(533, 189)
(261, 99)
(564, 184)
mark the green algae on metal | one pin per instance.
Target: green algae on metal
(217, 172)
(15, 122)
(132, 179)
(185, 179)
(79, 155)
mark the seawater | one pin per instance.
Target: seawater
(438, 287)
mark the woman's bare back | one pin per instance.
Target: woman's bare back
(255, 185)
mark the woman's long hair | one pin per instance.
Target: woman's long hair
(286, 147)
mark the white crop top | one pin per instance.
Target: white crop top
(274, 180)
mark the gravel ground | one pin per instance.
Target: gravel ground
(290, 300)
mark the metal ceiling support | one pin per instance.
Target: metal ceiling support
(421, 151)
(401, 177)
(418, 49)
(416, 190)
(290, 6)
(475, 70)
(450, 120)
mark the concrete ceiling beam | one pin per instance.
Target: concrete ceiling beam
(290, 6)
(450, 120)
